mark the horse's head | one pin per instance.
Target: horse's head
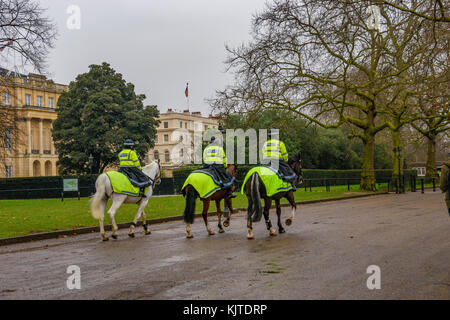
(232, 169)
(153, 170)
(295, 162)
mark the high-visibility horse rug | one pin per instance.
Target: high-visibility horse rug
(270, 179)
(121, 184)
(201, 182)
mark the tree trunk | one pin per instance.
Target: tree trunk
(368, 169)
(431, 157)
(396, 143)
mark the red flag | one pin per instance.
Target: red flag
(5, 45)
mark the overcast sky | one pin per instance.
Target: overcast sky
(158, 45)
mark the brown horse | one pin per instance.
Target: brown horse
(255, 190)
(191, 195)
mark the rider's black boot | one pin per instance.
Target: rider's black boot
(142, 193)
(294, 188)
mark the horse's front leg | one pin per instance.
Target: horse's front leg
(206, 204)
(219, 216)
(117, 202)
(291, 199)
(144, 223)
(139, 213)
(280, 226)
(229, 210)
(267, 204)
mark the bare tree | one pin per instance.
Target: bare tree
(322, 60)
(433, 10)
(29, 33)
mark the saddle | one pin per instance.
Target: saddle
(121, 184)
(216, 177)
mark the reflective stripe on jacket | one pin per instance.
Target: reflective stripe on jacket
(214, 154)
(275, 149)
(129, 158)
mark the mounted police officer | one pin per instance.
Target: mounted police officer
(215, 161)
(131, 167)
(275, 152)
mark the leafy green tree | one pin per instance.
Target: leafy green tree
(95, 116)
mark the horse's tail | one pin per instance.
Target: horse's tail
(256, 198)
(97, 199)
(189, 210)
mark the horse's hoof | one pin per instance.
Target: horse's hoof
(211, 233)
(273, 233)
(131, 235)
(281, 230)
(105, 239)
(189, 236)
(226, 224)
(147, 232)
(288, 221)
(114, 236)
(221, 231)
(250, 237)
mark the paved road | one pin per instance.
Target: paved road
(323, 255)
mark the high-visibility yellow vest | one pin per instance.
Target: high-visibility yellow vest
(275, 149)
(129, 158)
(214, 154)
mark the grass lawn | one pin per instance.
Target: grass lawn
(21, 217)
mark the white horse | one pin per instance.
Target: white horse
(105, 192)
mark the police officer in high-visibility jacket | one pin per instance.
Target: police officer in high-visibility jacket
(215, 161)
(275, 152)
(131, 167)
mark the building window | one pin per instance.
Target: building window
(51, 103)
(166, 138)
(206, 127)
(156, 155)
(166, 156)
(39, 101)
(181, 153)
(185, 125)
(7, 98)
(181, 124)
(166, 125)
(156, 138)
(8, 140)
(28, 99)
(8, 171)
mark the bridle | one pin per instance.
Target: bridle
(157, 179)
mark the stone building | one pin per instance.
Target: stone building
(174, 127)
(28, 149)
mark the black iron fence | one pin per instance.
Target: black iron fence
(52, 187)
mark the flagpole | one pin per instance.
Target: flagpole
(186, 92)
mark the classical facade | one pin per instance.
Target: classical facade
(28, 149)
(174, 127)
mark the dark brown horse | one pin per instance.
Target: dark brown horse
(256, 190)
(191, 195)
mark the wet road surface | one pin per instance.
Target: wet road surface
(324, 254)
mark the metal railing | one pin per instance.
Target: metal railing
(171, 186)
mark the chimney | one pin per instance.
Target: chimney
(186, 111)
(169, 110)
